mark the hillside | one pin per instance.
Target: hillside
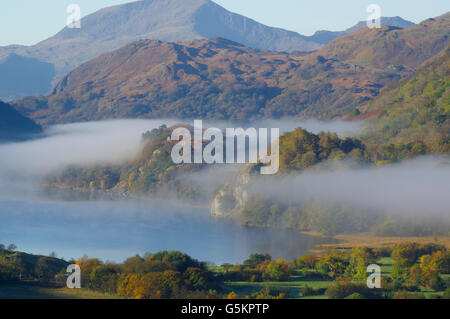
(17, 266)
(166, 20)
(151, 173)
(415, 112)
(222, 79)
(391, 47)
(15, 127)
(279, 200)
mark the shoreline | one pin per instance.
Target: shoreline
(346, 241)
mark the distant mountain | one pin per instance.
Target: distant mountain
(325, 37)
(414, 112)
(166, 20)
(20, 76)
(390, 46)
(222, 79)
(15, 127)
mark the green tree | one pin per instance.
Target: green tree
(104, 278)
(256, 259)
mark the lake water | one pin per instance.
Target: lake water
(117, 230)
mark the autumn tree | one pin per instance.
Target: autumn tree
(307, 262)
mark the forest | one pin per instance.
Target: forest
(409, 270)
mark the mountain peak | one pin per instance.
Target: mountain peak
(167, 20)
(391, 46)
(324, 37)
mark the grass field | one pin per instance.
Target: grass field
(364, 239)
(293, 287)
(24, 291)
(387, 266)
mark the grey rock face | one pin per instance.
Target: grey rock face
(234, 195)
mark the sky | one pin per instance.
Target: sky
(28, 21)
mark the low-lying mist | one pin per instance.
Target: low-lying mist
(416, 187)
(85, 144)
(22, 165)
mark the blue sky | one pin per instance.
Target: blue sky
(30, 21)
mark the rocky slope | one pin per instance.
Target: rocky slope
(222, 79)
(391, 47)
(166, 20)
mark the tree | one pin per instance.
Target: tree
(197, 278)
(43, 269)
(104, 279)
(333, 264)
(275, 270)
(127, 285)
(232, 295)
(344, 289)
(87, 267)
(12, 247)
(355, 295)
(178, 260)
(134, 265)
(307, 261)
(256, 259)
(404, 256)
(156, 285)
(360, 258)
(227, 267)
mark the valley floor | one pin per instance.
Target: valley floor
(295, 284)
(347, 241)
(291, 288)
(25, 291)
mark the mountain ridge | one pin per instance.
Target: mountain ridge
(325, 36)
(221, 79)
(176, 20)
(110, 28)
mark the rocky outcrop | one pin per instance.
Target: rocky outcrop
(231, 198)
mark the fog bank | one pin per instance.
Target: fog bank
(108, 142)
(419, 186)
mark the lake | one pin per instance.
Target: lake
(118, 230)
